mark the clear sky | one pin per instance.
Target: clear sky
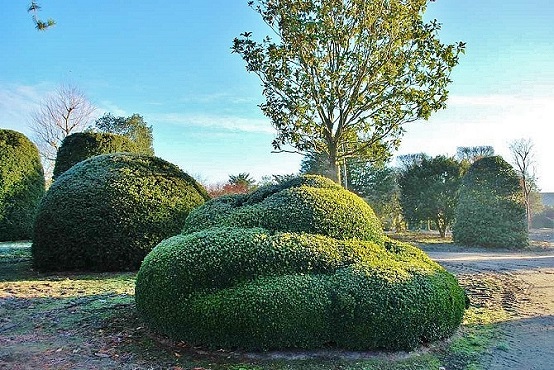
(171, 62)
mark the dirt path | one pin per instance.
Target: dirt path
(529, 336)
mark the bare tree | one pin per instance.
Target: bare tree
(473, 153)
(522, 156)
(64, 112)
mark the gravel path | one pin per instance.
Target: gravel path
(530, 334)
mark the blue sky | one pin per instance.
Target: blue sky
(172, 64)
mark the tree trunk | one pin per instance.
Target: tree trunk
(334, 168)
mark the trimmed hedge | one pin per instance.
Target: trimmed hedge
(21, 185)
(82, 145)
(107, 212)
(307, 204)
(251, 288)
(491, 210)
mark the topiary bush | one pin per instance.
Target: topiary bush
(318, 273)
(82, 145)
(491, 210)
(250, 288)
(107, 212)
(21, 185)
(307, 204)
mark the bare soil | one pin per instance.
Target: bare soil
(528, 336)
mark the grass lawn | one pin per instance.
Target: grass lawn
(72, 320)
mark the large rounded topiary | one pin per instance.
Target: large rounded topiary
(490, 210)
(302, 282)
(308, 204)
(82, 145)
(21, 185)
(107, 212)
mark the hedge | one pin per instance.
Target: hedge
(107, 212)
(21, 185)
(307, 204)
(250, 288)
(491, 210)
(82, 145)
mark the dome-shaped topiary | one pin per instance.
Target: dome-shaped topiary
(107, 212)
(307, 204)
(303, 264)
(82, 145)
(490, 210)
(21, 185)
(249, 288)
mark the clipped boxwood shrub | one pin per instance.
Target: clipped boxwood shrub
(251, 288)
(307, 204)
(107, 212)
(82, 145)
(491, 210)
(21, 185)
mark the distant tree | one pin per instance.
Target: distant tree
(473, 153)
(429, 191)
(491, 210)
(276, 179)
(243, 179)
(133, 127)
(64, 112)
(523, 161)
(378, 185)
(343, 77)
(237, 184)
(40, 25)
(409, 160)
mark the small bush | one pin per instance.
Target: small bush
(82, 145)
(307, 204)
(490, 210)
(253, 289)
(21, 185)
(107, 212)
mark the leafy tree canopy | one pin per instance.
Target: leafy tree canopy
(429, 190)
(133, 127)
(342, 77)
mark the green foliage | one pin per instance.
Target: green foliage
(107, 212)
(21, 185)
(310, 204)
(343, 77)
(82, 145)
(429, 190)
(250, 288)
(40, 25)
(133, 127)
(491, 210)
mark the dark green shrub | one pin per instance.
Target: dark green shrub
(250, 288)
(82, 145)
(107, 212)
(490, 209)
(21, 185)
(307, 204)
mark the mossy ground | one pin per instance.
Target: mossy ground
(90, 321)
